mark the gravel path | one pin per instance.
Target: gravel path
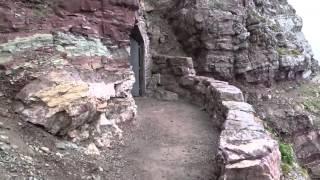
(172, 141)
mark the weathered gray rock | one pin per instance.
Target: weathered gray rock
(65, 145)
(92, 150)
(307, 149)
(4, 146)
(45, 149)
(289, 122)
(247, 147)
(253, 41)
(296, 173)
(165, 95)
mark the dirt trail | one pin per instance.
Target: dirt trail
(172, 141)
(168, 141)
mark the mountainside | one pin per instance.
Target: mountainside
(258, 46)
(67, 66)
(249, 40)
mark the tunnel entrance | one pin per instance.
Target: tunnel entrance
(137, 61)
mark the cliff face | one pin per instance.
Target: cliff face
(250, 40)
(66, 62)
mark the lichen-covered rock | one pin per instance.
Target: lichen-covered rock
(249, 40)
(79, 46)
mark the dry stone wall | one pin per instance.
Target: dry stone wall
(246, 150)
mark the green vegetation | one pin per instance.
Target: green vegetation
(41, 8)
(40, 13)
(286, 51)
(312, 105)
(287, 157)
(310, 90)
(287, 154)
(311, 99)
(255, 17)
(216, 5)
(275, 27)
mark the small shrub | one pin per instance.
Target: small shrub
(287, 157)
(287, 154)
(311, 99)
(313, 105)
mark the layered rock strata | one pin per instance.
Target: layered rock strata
(65, 63)
(249, 40)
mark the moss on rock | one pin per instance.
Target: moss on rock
(287, 154)
(79, 46)
(286, 51)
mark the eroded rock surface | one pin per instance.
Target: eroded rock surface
(250, 40)
(66, 63)
(291, 111)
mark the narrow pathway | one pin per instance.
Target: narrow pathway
(172, 141)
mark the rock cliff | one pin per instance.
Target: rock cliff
(65, 63)
(65, 66)
(249, 40)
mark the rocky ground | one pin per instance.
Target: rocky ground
(290, 111)
(28, 152)
(284, 100)
(169, 140)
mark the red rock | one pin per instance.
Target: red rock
(101, 18)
